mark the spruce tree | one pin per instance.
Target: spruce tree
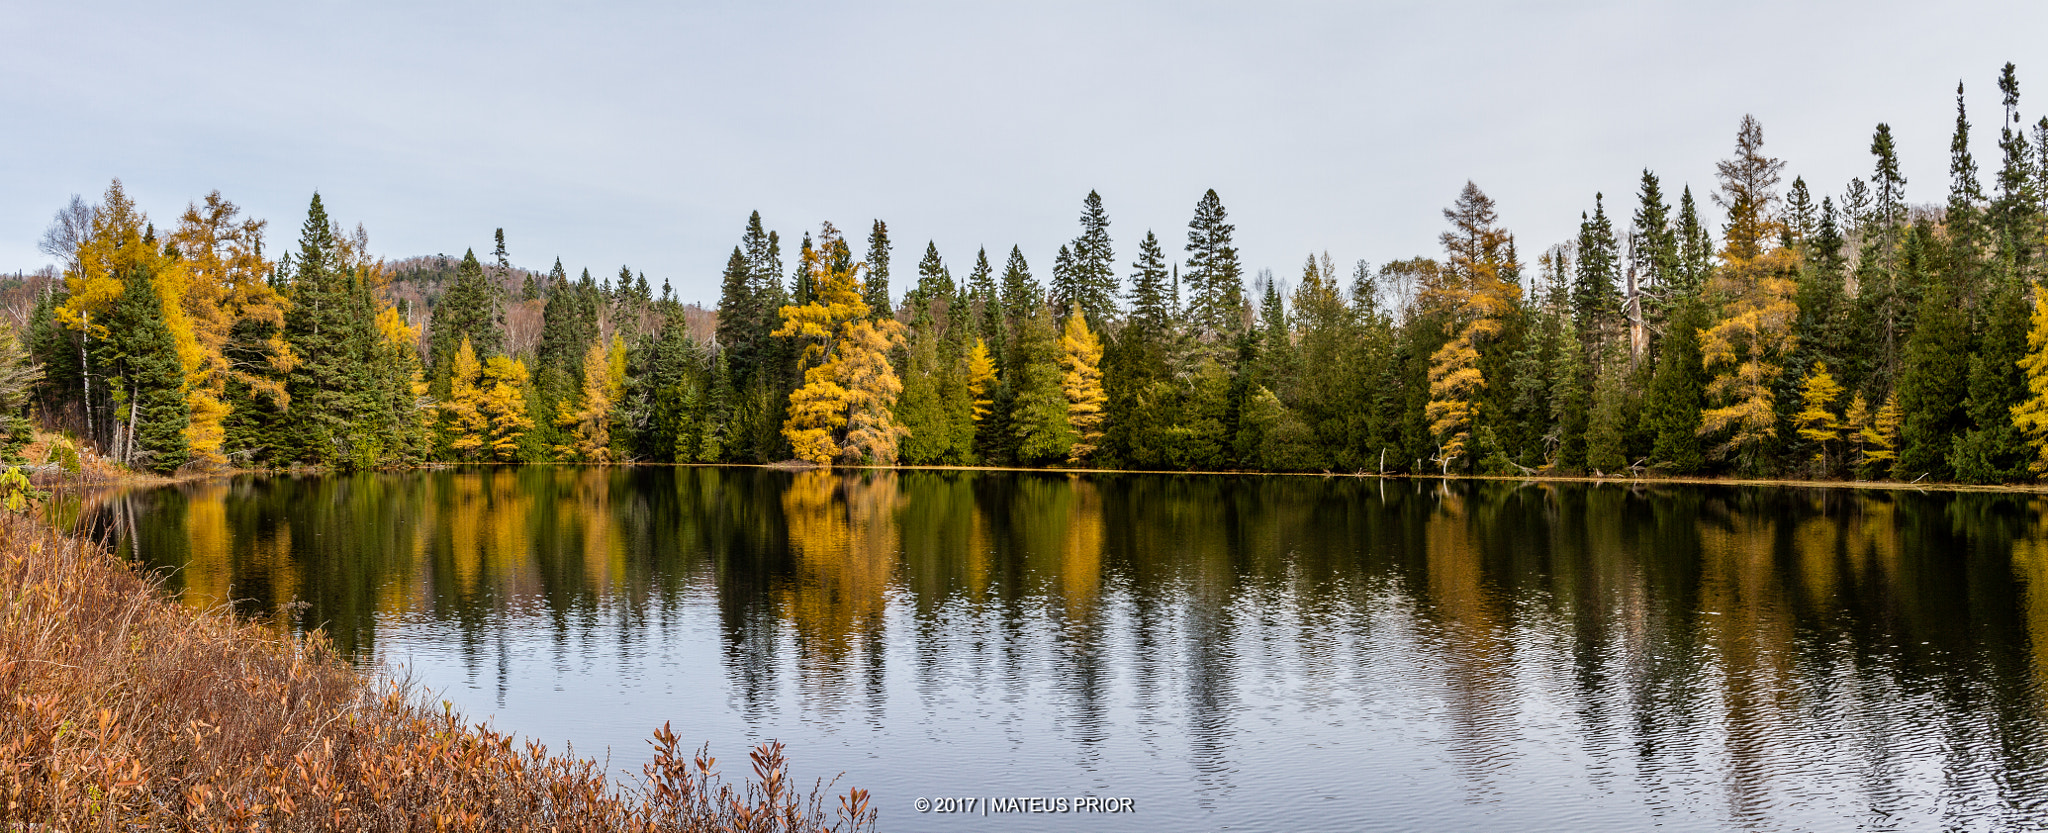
(737, 317)
(1656, 242)
(1038, 421)
(934, 282)
(1215, 278)
(1695, 250)
(874, 285)
(1596, 303)
(1021, 295)
(330, 327)
(1677, 395)
(469, 309)
(2014, 213)
(1152, 301)
(1065, 289)
(141, 359)
(1094, 263)
(1888, 211)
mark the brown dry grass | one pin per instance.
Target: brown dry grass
(120, 710)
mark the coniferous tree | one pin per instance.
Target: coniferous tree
(1094, 263)
(1655, 247)
(1081, 358)
(874, 284)
(1888, 208)
(141, 360)
(1039, 423)
(1215, 306)
(1677, 395)
(1595, 300)
(1747, 346)
(330, 327)
(2015, 213)
(469, 309)
(1695, 249)
(1152, 302)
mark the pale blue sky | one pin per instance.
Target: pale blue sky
(643, 134)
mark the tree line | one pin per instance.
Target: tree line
(1853, 335)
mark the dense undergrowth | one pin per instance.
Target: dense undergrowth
(120, 710)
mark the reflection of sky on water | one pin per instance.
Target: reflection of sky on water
(1249, 653)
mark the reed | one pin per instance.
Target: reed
(120, 710)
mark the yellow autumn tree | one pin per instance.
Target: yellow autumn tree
(1475, 291)
(118, 244)
(503, 405)
(1881, 439)
(1854, 422)
(589, 424)
(1744, 347)
(1816, 420)
(845, 409)
(1081, 356)
(399, 351)
(468, 424)
(981, 378)
(225, 285)
(2031, 415)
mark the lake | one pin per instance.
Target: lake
(1249, 653)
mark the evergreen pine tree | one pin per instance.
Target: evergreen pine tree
(1677, 395)
(1094, 263)
(875, 283)
(1152, 301)
(1039, 416)
(1595, 301)
(142, 362)
(469, 309)
(1215, 279)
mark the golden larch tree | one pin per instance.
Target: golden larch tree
(845, 409)
(1816, 419)
(1744, 348)
(2031, 415)
(981, 378)
(503, 404)
(589, 424)
(1474, 292)
(1081, 356)
(468, 425)
(224, 285)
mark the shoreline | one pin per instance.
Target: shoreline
(146, 480)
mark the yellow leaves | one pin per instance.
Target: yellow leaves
(981, 378)
(503, 405)
(590, 425)
(1081, 356)
(1454, 384)
(2031, 415)
(464, 409)
(849, 383)
(205, 433)
(1743, 347)
(113, 249)
(486, 407)
(1817, 420)
(1881, 438)
(396, 332)
(871, 385)
(615, 367)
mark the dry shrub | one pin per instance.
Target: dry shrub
(120, 710)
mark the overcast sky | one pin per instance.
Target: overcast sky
(643, 134)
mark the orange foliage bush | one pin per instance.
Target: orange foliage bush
(120, 710)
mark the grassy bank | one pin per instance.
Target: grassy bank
(120, 710)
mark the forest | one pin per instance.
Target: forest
(1822, 336)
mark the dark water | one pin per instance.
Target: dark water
(1228, 653)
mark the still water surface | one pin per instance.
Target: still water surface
(1230, 653)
